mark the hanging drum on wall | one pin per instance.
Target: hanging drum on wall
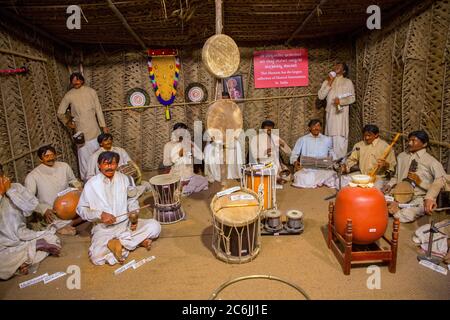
(137, 97)
(196, 92)
(221, 56)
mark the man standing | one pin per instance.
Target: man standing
(21, 247)
(316, 146)
(46, 181)
(427, 170)
(87, 116)
(367, 155)
(340, 93)
(105, 201)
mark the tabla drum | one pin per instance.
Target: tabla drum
(261, 180)
(273, 220)
(294, 221)
(65, 205)
(166, 189)
(131, 169)
(236, 226)
(221, 116)
(220, 56)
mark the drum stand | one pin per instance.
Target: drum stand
(428, 256)
(347, 252)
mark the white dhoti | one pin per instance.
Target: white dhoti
(84, 155)
(411, 214)
(340, 146)
(312, 178)
(101, 234)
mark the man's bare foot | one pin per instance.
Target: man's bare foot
(147, 244)
(393, 207)
(23, 269)
(42, 245)
(116, 248)
(67, 231)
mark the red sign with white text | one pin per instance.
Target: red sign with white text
(280, 68)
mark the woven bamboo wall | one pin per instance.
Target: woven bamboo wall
(403, 77)
(28, 103)
(144, 133)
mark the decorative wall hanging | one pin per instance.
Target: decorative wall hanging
(164, 70)
(137, 97)
(196, 92)
(14, 71)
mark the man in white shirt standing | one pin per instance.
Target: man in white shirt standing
(87, 116)
(340, 93)
(106, 202)
(46, 181)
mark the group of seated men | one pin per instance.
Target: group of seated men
(108, 195)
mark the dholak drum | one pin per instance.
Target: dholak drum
(261, 180)
(236, 226)
(166, 189)
(131, 169)
(65, 205)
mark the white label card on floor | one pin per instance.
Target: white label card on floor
(33, 281)
(54, 276)
(143, 261)
(125, 267)
(433, 266)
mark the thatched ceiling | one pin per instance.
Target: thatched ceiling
(191, 22)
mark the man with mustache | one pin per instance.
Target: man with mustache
(105, 140)
(105, 201)
(87, 116)
(21, 247)
(428, 170)
(45, 182)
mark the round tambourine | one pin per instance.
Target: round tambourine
(196, 92)
(137, 97)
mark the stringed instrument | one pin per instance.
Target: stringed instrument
(374, 171)
(403, 191)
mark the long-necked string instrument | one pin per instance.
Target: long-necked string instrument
(374, 171)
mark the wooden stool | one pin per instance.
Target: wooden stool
(360, 253)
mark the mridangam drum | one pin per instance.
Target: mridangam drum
(236, 226)
(131, 169)
(166, 189)
(261, 180)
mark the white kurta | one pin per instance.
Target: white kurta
(93, 167)
(101, 194)
(259, 145)
(337, 121)
(46, 182)
(17, 242)
(319, 146)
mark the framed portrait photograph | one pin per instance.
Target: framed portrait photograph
(234, 87)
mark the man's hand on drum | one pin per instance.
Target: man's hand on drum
(49, 215)
(429, 205)
(297, 166)
(414, 177)
(107, 218)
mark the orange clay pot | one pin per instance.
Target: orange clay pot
(65, 206)
(368, 210)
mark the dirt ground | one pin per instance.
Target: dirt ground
(185, 266)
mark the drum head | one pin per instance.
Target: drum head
(164, 179)
(221, 56)
(272, 214)
(403, 192)
(233, 211)
(294, 214)
(222, 115)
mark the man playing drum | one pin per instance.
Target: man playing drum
(264, 148)
(368, 154)
(314, 145)
(106, 202)
(87, 116)
(46, 181)
(427, 170)
(21, 247)
(178, 155)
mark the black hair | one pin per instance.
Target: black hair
(77, 75)
(345, 67)
(104, 136)
(108, 157)
(371, 128)
(421, 135)
(313, 122)
(179, 125)
(1, 170)
(42, 150)
(267, 123)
